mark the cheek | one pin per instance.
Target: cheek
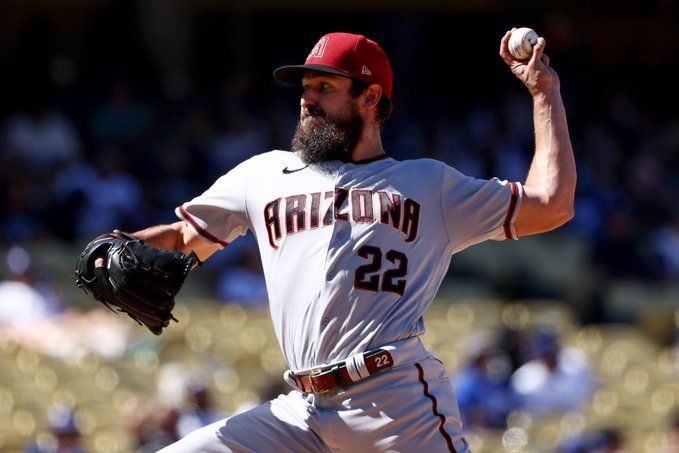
(347, 111)
(337, 107)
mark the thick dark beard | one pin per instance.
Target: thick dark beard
(332, 139)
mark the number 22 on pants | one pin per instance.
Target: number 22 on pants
(368, 275)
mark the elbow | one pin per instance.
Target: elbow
(562, 204)
(543, 211)
(557, 212)
(563, 215)
(567, 215)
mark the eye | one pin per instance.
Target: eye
(325, 86)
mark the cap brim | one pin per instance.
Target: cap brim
(293, 74)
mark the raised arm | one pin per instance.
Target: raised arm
(549, 190)
(177, 236)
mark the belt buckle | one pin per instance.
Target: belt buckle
(312, 384)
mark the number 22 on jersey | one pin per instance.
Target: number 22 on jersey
(370, 277)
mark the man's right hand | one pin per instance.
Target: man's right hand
(536, 73)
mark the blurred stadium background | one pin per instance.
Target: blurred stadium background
(114, 112)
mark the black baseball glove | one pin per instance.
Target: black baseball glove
(130, 276)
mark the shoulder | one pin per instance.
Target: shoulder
(261, 162)
(434, 170)
(423, 163)
(425, 166)
(275, 158)
(276, 154)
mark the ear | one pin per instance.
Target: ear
(373, 94)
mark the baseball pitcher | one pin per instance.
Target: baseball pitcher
(354, 245)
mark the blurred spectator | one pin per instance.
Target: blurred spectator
(619, 255)
(673, 434)
(24, 299)
(665, 243)
(111, 194)
(603, 441)
(67, 438)
(155, 428)
(241, 138)
(33, 312)
(42, 139)
(200, 409)
(116, 194)
(244, 282)
(594, 201)
(482, 385)
(123, 119)
(554, 379)
(70, 188)
(177, 179)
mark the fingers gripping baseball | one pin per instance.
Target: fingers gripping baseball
(536, 73)
(545, 59)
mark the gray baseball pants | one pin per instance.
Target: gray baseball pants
(408, 408)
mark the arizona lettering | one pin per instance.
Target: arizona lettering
(296, 213)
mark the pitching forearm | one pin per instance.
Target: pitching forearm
(177, 236)
(552, 175)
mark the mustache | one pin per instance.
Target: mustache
(313, 110)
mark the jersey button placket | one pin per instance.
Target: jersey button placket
(332, 251)
(340, 230)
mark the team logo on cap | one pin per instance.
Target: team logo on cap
(366, 71)
(319, 48)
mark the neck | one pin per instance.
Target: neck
(370, 145)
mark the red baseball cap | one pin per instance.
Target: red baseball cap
(345, 54)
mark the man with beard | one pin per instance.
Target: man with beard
(320, 137)
(354, 245)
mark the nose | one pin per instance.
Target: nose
(308, 99)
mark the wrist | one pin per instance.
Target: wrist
(546, 96)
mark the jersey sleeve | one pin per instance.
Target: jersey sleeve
(219, 215)
(475, 210)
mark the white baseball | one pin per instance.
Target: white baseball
(521, 43)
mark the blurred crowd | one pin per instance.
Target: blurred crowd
(509, 370)
(157, 422)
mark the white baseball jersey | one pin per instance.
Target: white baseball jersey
(353, 253)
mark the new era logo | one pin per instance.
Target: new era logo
(319, 48)
(366, 71)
